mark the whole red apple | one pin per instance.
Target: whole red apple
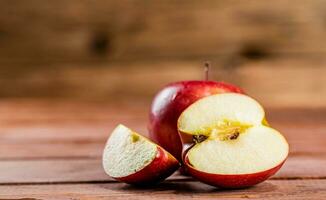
(171, 101)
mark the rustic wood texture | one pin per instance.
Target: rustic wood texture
(52, 150)
(271, 189)
(89, 170)
(88, 141)
(87, 60)
(117, 50)
(51, 129)
(137, 30)
(283, 82)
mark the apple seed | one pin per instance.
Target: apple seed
(199, 138)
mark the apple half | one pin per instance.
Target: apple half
(227, 143)
(131, 158)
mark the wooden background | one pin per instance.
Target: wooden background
(119, 50)
(71, 70)
(52, 150)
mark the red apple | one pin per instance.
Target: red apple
(231, 145)
(171, 101)
(231, 181)
(132, 158)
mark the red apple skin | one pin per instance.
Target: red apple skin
(171, 101)
(235, 181)
(163, 165)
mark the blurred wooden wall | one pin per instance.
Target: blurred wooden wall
(119, 49)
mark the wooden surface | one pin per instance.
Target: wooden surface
(93, 54)
(52, 150)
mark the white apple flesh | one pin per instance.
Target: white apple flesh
(132, 158)
(232, 146)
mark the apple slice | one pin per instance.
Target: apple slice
(232, 148)
(132, 158)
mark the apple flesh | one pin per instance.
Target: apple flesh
(232, 147)
(131, 158)
(171, 101)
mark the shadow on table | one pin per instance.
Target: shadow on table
(194, 187)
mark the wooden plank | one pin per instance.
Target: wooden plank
(290, 85)
(59, 133)
(61, 31)
(295, 82)
(51, 171)
(272, 189)
(87, 170)
(17, 112)
(298, 167)
(51, 150)
(61, 143)
(69, 114)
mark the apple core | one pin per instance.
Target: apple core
(224, 130)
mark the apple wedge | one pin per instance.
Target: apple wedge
(131, 158)
(226, 142)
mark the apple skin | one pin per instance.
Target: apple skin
(230, 181)
(163, 165)
(171, 101)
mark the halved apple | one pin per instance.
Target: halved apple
(231, 147)
(132, 158)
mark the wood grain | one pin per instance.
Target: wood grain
(89, 141)
(114, 30)
(283, 82)
(63, 113)
(113, 50)
(52, 150)
(89, 170)
(46, 129)
(115, 55)
(272, 189)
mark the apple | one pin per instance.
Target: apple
(131, 158)
(231, 146)
(171, 101)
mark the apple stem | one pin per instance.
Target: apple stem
(207, 68)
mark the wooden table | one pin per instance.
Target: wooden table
(52, 150)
